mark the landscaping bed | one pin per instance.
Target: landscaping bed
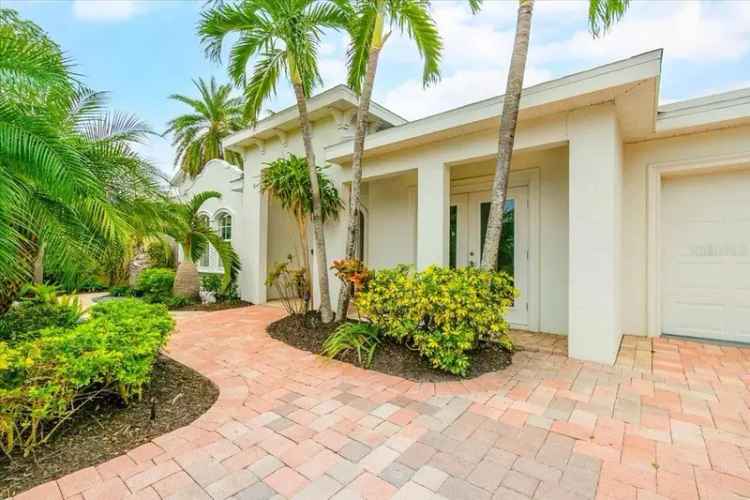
(213, 306)
(106, 428)
(390, 357)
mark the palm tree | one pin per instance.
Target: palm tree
(68, 173)
(368, 21)
(194, 236)
(198, 134)
(283, 36)
(601, 16)
(287, 180)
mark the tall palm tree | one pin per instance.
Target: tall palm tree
(195, 236)
(67, 169)
(602, 14)
(283, 36)
(198, 134)
(368, 21)
(286, 179)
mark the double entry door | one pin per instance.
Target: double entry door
(469, 213)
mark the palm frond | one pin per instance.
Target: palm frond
(263, 82)
(603, 14)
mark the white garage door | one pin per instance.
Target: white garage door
(705, 261)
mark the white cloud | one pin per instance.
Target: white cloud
(686, 30)
(104, 10)
(411, 101)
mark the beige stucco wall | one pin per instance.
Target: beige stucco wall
(391, 228)
(638, 157)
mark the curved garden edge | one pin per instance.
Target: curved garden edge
(203, 342)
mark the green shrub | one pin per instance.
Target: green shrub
(211, 282)
(176, 301)
(45, 380)
(121, 291)
(155, 284)
(23, 321)
(443, 312)
(362, 338)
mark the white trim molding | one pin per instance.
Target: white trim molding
(656, 172)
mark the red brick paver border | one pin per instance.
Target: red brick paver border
(669, 420)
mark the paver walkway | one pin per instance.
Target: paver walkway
(672, 423)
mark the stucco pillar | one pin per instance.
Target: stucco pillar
(594, 314)
(433, 215)
(255, 265)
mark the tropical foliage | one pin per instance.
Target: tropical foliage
(284, 37)
(367, 22)
(287, 180)
(155, 285)
(194, 235)
(360, 338)
(444, 313)
(46, 378)
(602, 15)
(198, 134)
(71, 184)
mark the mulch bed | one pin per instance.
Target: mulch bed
(105, 428)
(390, 357)
(215, 306)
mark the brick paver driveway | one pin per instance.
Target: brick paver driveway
(667, 424)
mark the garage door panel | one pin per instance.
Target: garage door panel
(705, 260)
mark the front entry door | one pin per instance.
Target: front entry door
(468, 224)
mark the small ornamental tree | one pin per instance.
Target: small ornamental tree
(287, 180)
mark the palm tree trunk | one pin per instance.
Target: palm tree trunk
(363, 110)
(187, 281)
(304, 244)
(326, 315)
(508, 120)
(39, 266)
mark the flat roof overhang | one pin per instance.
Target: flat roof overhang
(337, 99)
(635, 76)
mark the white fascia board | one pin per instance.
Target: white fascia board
(638, 68)
(704, 112)
(316, 102)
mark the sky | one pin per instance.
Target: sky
(142, 51)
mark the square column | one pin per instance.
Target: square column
(255, 234)
(433, 215)
(596, 163)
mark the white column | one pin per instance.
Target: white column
(594, 317)
(255, 265)
(433, 215)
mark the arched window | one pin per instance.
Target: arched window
(224, 221)
(205, 260)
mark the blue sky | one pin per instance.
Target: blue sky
(143, 51)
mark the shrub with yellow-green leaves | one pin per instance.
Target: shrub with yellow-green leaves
(44, 380)
(442, 312)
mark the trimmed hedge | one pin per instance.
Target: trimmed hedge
(443, 312)
(46, 379)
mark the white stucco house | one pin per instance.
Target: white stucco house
(628, 217)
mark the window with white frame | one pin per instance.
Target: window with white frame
(205, 260)
(225, 226)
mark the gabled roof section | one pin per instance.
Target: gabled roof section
(601, 84)
(336, 99)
